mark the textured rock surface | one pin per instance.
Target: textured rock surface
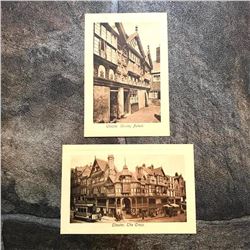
(42, 93)
(209, 101)
(232, 234)
(42, 108)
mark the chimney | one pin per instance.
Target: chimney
(111, 162)
(158, 54)
(140, 170)
(151, 167)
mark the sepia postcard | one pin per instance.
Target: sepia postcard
(126, 189)
(126, 75)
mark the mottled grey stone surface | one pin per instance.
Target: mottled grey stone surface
(42, 99)
(233, 234)
(209, 103)
(42, 108)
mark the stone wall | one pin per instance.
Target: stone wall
(42, 108)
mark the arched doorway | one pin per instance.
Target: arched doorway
(127, 205)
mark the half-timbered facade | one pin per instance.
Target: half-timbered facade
(122, 72)
(146, 190)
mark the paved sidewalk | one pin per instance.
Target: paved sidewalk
(144, 115)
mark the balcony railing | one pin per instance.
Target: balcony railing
(132, 83)
(134, 68)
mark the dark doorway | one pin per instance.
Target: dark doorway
(126, 102)
(127, 204)
(113, 104)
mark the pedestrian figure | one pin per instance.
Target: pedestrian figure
(142, 215)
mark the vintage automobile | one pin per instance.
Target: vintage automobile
(171, 209)
(87, 212)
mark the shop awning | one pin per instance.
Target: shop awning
(166, 205)
(174, 205)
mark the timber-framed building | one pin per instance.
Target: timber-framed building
(147, 190)
(122, 73)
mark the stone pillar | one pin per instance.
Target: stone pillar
(120, 102)
(148, 205)
(107, 205)
(115, 205)
(135, 205)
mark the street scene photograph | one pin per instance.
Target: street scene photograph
(110, 188)
(127, 81)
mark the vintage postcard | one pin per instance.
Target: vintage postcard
(126, 75)
(125, 189)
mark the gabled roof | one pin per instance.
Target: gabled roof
(159, 171)
(121, 30)
(83, 171)
(138, 40)
(131, 37)
(86, 171)
(154, 171)
(149, 170)
(101, 163)
(79, 169)
(178, 177)
(125, 171)
(134, 178)
(127, 39)
(112, 178)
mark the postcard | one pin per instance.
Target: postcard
(128, 189)
(126, 75)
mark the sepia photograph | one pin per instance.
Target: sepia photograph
(125, 87)
(126, 73)
(103, 191)
(128, 185)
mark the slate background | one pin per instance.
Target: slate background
(42, 108)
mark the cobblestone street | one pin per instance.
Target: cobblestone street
(144, 115)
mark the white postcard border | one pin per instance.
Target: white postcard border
(92, 129)
(148, 228)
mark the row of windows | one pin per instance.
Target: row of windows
(133, 79)
(137, 190)
(134, 190)
(104, 50)
(134, 45)
(126, 180)
(102, 73)
(97, 179)
(134, 58)
(105, 34)
(153, 94)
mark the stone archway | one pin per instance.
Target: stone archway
(127, 205)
